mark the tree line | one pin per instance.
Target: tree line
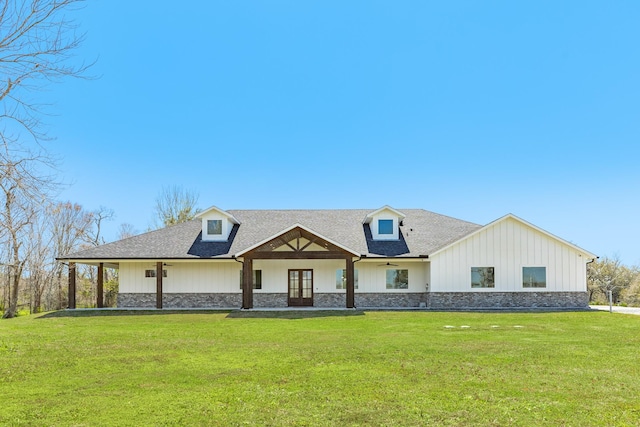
(32, 236)
(36, 231)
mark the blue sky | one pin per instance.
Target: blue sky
(472, 109)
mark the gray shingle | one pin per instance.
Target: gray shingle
(423, 233)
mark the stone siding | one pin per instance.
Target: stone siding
(330, 300)
(391, 300)
(136, 300)
(182, 300)
(497, 300)
(265, 300)
(434, 300)
(202, 300)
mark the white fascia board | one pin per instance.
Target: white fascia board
(286, 230)
(522, 221)
(116, 261)
(369, 217)
(220, 211)
(372, 259)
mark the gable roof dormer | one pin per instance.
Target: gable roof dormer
(216, 224)
(384, 223)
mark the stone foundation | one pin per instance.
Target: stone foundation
(391, 300)
(433, 300)
(184, 300)
(330, 300)
(261, 300)
(498, 300)
(136, 300)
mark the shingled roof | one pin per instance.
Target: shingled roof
(422, 233)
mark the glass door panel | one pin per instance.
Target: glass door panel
(307, 284)
(294, 284)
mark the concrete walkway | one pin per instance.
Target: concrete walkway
(617, 309)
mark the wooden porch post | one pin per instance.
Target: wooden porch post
(247, 283)
(350, 283)
(159, 284)
(72, 285)
(100, 290)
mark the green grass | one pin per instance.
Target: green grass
(320, 368)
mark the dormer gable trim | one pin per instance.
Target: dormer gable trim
(369, 217)
(220, 211)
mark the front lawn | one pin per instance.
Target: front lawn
(320, 368)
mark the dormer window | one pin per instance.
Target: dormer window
(216, 224)
(385, 223)
(214, 227)
(385, 226)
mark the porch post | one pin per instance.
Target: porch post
(100, 290)
(350, 283)
(247, 283)
(72, 285)
(159, 284)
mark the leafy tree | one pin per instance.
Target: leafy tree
(631, 294)
(609, 275)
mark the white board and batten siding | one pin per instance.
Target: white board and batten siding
(182, 277)
(508, 245)
(372, 275)
(224, 276)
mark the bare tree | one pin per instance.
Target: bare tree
(94, 233)
(23, 191)
(40, 260)
(70, 225)
(175, 205)
(37, 40)
(126, 230)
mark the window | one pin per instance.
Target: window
(152, 273)
(534, 277)
(385, 226)
(397, 279)
(257, 279)
(482, 277)
(341, 279)
(214, 226)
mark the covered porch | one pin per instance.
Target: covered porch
(291, 246)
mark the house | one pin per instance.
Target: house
(342, 258)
